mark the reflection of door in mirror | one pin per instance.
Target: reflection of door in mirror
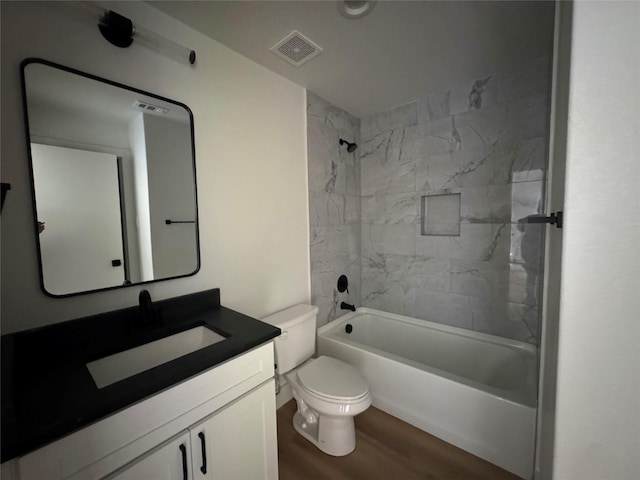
(78, 200)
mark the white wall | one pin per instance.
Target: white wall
(141, 183)
(597, 415)
(171, 196)
(250, 158)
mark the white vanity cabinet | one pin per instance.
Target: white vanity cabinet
(240, 442)
(231, 404)
(237, 442)
(170, 461)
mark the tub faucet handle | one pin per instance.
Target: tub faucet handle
(343, 284)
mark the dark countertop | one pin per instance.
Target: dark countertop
(47, 391)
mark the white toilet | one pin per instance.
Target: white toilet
(329, 392)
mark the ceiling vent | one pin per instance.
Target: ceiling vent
(296, 49)
(147, 107)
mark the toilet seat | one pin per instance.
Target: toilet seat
(332, 380)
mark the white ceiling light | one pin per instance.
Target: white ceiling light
(355, 8)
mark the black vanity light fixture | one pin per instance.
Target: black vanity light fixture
(121, 32)
(351, 147)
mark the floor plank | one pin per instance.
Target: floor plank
(386, 449)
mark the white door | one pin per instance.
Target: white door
(240, 441)
(169, 461)
(78, 200)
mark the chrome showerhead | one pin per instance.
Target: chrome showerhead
(351, 147)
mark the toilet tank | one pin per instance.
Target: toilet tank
(297, 342)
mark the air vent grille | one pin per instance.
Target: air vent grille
(296, 49)
(147, 107)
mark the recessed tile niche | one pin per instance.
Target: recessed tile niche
(440, 214)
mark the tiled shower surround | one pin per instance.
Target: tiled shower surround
(486, 141)
(334, 206)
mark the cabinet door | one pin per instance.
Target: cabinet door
(238, 442)
(169, 461)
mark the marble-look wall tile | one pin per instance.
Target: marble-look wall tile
(389, 297)
(523, 284)
(523, 322)
(525, 245)
(503, 163)
(331, 168)
(521, 161)
(528, 117)
(526, 199)
(509, 320)
(400, 145)
(334, 206)
(485, 204)
(433, 274)
(395, 239)
(448, 308)
(472, 167)
(397, 118)
(327, 209)
(383, 209)
(336, 118)
(402, 208)
(386, 177)
(324, 279)
(434, 107)
(426, 245)
(373, 208)
(440, 136)
(483, 127)
(322, 154)
(421, 272)
(477, 94)
(326, 242)
(487, 140)
(388, 161)
(479, 279)
(480, 242)
(352, 209)
(525, 80)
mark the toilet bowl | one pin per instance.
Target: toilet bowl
(328, 392)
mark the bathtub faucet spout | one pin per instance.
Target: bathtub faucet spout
(347, 306)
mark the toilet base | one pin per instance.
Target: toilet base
(334, 436)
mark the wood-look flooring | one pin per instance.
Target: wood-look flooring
(386, 449)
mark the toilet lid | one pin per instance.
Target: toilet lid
(329, 377)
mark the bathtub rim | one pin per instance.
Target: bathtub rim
(530, 400)
(487, 337)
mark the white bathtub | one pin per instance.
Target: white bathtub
(470, 389)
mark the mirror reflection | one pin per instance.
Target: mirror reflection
(114, 186)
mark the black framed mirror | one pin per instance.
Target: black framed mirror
(113, 181)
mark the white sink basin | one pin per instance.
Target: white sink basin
(119, 366)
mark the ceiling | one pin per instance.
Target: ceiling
(401, 51)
